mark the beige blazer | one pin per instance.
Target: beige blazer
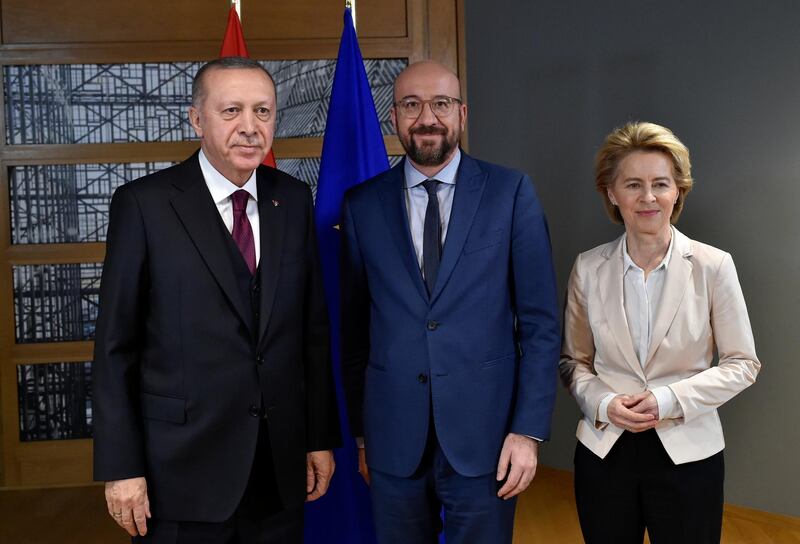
(701, 308)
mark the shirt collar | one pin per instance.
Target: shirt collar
(221, 187)
(628, 262)
(446, 175)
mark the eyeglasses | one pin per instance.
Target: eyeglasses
(441, 106)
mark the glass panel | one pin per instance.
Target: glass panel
(60, 203)
(55, 302)
(304, 91)
(305, 169)
(102, 103)
(55, 401)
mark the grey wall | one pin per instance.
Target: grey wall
(548, 80)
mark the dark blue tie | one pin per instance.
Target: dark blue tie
(432, 236)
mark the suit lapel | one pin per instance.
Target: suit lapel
(610, 277)
(198, 214)
(679, 271)
(272, 224)
(394, 208)
(470, 182)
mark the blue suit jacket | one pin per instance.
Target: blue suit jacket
(480, 352)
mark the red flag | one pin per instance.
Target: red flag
(233, 45)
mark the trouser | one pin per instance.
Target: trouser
(407, 510)
(260, 518)
(637, 486)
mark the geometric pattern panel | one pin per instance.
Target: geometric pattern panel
(304, 92)
(97, 103)
(305, 169)
(65, 203)
(55, 302)
(147, 102)
(55, 401)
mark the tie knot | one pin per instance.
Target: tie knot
(239, 199)
(431, 185)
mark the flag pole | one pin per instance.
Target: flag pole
(352, 5)
(238, 5)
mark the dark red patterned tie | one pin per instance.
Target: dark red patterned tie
(242, 231)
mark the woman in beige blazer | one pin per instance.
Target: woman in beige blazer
(644, 315)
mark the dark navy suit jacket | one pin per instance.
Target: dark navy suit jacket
(480, 352)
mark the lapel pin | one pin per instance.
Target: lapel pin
(336, 227)
(276, 203)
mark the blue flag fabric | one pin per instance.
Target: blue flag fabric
(352, 152)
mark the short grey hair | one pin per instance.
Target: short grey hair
(224, 63)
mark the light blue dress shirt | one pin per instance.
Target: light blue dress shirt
(417, 199)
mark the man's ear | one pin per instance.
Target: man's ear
(194, 119)
(393, 115)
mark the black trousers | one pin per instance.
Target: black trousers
(637, 485)
(260, 518)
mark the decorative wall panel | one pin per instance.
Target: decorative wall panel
(66, 203)
(55, 302)
(106, 103)
(55, 401)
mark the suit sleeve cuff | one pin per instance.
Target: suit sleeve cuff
(668, 407)
(602, 410)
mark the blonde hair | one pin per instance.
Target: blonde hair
(648, 137)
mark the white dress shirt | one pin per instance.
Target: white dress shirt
(222, 188)
(641, 298)
(417, 199)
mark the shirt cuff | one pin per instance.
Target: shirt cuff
(668, 406)
(360, 441)
(602, 410)
(533, 438)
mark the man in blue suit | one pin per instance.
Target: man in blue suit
(450, 334)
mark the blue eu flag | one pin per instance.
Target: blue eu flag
(352, 151)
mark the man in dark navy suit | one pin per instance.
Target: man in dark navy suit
(214, 402)
(450, 331)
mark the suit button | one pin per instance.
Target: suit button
(259, 360)
(256, 288)
(422, 378)
(254, 411)
(432, 325)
